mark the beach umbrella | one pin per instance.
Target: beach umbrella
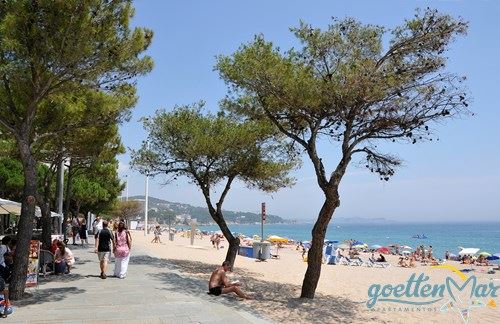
(330, 242)
(277, 239)
(357, 243)
(486, 254)
(383, 250)
(406, 252)
(306, 244)
(343, 246)
(494, 257)
(406, 247)
(375, 246)
(359, 246)
(468, 251)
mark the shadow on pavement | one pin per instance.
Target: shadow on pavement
(274, 301)
(47, 295)
(59, 278)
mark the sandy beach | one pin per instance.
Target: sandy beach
(342, 290)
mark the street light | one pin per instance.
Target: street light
(146, 199)
(126, 187)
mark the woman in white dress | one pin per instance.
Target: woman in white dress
(123, 244)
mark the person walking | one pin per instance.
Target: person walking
(75, 228)
(103, 245)
(83, 232)
(96, 225)
(123, 244)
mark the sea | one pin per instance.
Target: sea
(442, 237)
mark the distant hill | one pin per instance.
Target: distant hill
(163, 209)
(360, 220)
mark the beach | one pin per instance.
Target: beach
(342, 291)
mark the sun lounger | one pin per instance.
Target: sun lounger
(374, 263)
(352, 262)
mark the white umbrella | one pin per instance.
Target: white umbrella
(468, 251)
(406, 247)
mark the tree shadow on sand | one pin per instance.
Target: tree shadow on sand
(195, 268)
(273, 301)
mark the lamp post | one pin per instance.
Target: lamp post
(126, 187)
(146, 206)
(146, 198)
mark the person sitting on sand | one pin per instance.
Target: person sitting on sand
(402, 262)
(381, 258)
(219, 284)
(412, 262)
(481, 260)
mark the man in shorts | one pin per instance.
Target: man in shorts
(219, 284)
(104, 244)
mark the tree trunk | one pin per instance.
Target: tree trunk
(232, 251)
(68, 200)
(46, 227)
(315, 255)
(234, 242)
(25, 227)
(46, 215)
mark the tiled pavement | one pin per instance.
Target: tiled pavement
(153, 292)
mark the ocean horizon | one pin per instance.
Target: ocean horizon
(441, 236)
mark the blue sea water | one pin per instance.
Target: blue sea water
(442, 237)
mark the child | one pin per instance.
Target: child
(157, 233)
(5, 305)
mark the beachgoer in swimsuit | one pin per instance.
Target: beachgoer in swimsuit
(219, 284)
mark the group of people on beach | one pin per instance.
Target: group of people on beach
(480, 260)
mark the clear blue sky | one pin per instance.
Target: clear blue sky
(457, 178)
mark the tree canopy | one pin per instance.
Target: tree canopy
(52, 52)
(347, 85)
(214, 149)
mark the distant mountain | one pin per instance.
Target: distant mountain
(360, 220)
(162, 210)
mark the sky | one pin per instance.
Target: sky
(455, 179)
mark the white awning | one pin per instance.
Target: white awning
(14, 208)
(468, 251)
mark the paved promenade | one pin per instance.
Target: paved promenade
(153, 292)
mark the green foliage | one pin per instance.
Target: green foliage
(343, 85)
(12, 178)
(127, 210)
(97, 187)
(208, 149)
(56, 48)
